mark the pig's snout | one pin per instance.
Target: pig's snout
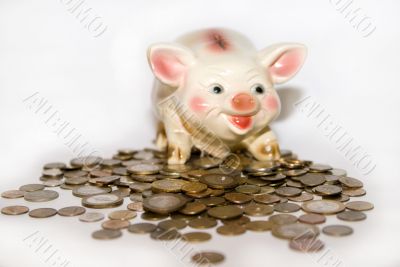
(243, 102)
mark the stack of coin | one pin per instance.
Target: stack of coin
(290, 197)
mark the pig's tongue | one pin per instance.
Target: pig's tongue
(241, 122)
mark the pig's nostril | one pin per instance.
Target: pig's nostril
(243, 102)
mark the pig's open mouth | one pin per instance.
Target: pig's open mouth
(241, 122)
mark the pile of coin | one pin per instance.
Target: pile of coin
(204, 193)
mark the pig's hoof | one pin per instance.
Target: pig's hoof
(177, 155)
(268, 152)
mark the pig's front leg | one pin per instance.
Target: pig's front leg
(264, 146)
(161, 138)
(179, 142)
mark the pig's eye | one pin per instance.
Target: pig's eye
(258, 89)
(216, 89)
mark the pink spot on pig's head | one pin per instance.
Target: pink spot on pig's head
(217, 42)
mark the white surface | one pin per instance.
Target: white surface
(102, 87)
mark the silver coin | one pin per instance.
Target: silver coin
(90, 190)
(40, 196)
(91, 217)
(102, 201)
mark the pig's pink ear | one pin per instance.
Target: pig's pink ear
(170, 62)
(283, 61)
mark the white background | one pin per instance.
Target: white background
(101, 86)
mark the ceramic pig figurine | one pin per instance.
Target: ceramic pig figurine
(225, 91)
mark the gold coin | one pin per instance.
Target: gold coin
(323, 206)
(212, 201)
(338, 172)
(319, 168)
(337, 230)
(115, 224)
(327, 190)
(143, 168)
(359, 205)
(142, 228)
(266, 190)
(12, 194)
(287, 191)
(255, 209)
(206, 162)
(248, 189)
(42, 213)
(332, 179)
(267, 199)
(242, 220)
(311, 218)
(295, 172)
(122, 192)
(302, 198)
(219, 181)
(135, 206)
(238, 198)
(341, 198)
(286, 207)
(172, 224)
(293, 183)
(193, 208)
(14, 210)
(295, 230)
(71, 211)
(231, 229)
(259, 226)
(202, 223)
(208, 257)
(357, 192)
(279, 219)
(140, 187)
(194, 187)
(350, 182)
(261, 166)
(88, 161)
(225, 212)
(106, 234)
(168, 185)
(164, 203)
(124, 215)
(312, 179)
(203, 194)
(196, 237)
(150, 216)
